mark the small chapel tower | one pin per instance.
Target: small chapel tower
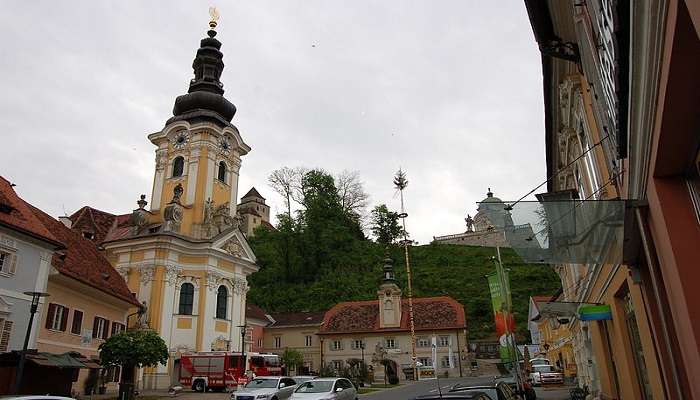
(389, 298)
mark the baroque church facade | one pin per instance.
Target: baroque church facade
(185, 256)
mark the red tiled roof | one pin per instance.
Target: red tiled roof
(92, 220)
(120, 229)
(268, 225)
(81, 260)
(297, 318)
(253, 311)
(541, 298)
(430, 313)
(15, 214)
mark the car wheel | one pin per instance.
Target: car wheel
(199, 386)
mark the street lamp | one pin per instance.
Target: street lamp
(36, 296)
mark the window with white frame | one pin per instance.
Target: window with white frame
(390, 343)
(426, 361)
(357, 344)
(278, 342)
(445, 362)
(336, 345)
(337, 364)
(308, 340)
(423, 342)
(5, 331)
(57, 317)
(117, 327)
(443, 341)
(100, 328)
(260, 342)
(8, 262)
(589, 160)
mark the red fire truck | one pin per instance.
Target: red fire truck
(219, 370)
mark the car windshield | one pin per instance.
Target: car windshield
(539, 361)
(302, 379)
(262, 383)
(491, 392)
(543, 368)
(315, 387)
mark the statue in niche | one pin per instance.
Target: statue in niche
(173, 211)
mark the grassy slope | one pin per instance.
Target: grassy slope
(453, 270)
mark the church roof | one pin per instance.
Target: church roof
(430, 313)
(92, 220)
(81, 260)
(253, 193)
(16, 214)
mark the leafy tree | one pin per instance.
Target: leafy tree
(292, 358)
(385, 225)
(132, 349)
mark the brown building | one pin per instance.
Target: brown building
(376, 329)
(622, 97)
(298, 331)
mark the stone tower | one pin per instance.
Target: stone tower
(253, 211)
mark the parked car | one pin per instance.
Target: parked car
(540, 361)
(509, 380)
(455, 396)
(326, 389)
(545, 374)
(266, 388)
(303, 378)
(497, 391)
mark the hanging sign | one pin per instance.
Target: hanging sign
(595, 312)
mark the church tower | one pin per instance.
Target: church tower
(389, 295)
(185, 256)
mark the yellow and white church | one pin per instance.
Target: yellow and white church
(185, 257)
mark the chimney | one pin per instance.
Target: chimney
(66, 221)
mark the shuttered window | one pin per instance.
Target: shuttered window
(117, 327)
(77, 324)
(8, 262)
(100, 328)
(57, 317)
(5, 332)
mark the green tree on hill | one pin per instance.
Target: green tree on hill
(385, 225)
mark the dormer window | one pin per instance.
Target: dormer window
(88, 235)
(178, 166)
(222, 172)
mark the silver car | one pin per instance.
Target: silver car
(266, 388)
(326, 389)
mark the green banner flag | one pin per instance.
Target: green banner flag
(503, 317)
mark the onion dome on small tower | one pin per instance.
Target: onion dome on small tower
(388, 270)
(204, 100)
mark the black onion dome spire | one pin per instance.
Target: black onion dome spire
(204, 99)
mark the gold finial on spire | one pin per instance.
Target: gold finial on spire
(214, 13)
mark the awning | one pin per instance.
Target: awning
(556, 309)
(65, 360)
(560, 229)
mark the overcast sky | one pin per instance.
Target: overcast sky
(451, 91)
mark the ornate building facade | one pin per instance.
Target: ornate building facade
(185, 257)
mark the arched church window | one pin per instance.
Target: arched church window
(222, 171)
(221, 302)
(186, 299)
(178, 166)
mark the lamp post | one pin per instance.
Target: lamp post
(36, 296)
(244, 368)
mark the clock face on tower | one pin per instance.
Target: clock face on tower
(224, 146)
(180, 139)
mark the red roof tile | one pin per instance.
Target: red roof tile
(541, 298)
(15, 214)
(363, 316)
(297, 318)
(253, 311)
(92, 220)
(82, 260)
(253, 193)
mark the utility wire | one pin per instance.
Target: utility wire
(510, 206)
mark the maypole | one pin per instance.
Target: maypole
(400, 183)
